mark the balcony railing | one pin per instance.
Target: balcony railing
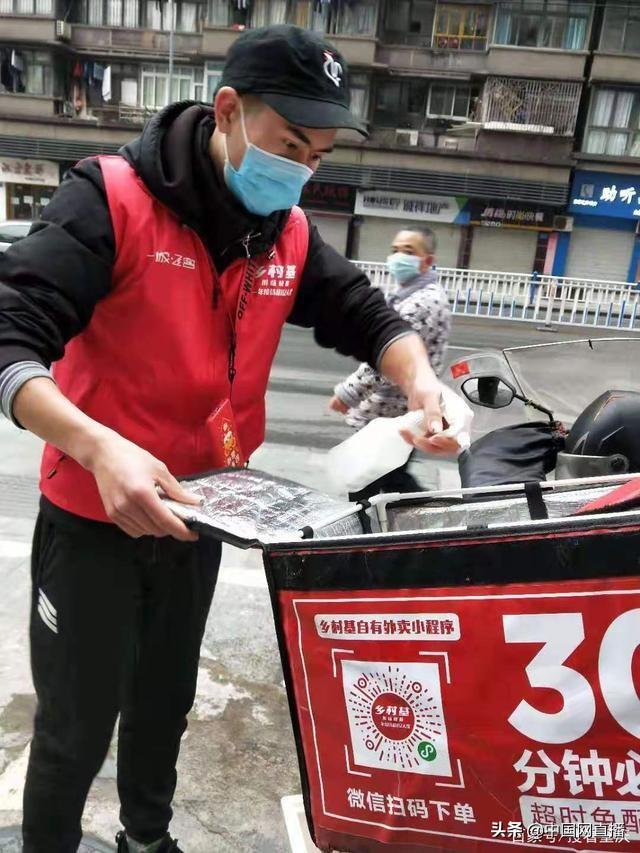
(133, 41)
(122, 114)
(530, 106)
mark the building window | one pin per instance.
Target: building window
(186, 85)
(310, 15)
(621, 28)
(401, 104)
(533, 106)
(448, 100)
(212, 77)
(38, 72)
(359, 94)
(219, 13)
(122, 13)
(461, 27)
(110, 13)
(92, 13)
(27, 201)
(561, 24)
(129, 91)
(26, 71)
(158, 17)
(354, 19)
(410, 22)
(223, 13)
(27, 7)
(357, 18)
(266, 12)
(614, 123)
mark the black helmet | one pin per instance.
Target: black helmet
(610, 426)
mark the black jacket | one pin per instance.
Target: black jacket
(51, 281)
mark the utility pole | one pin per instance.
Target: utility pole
(171, 49)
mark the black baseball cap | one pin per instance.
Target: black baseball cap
(296, 72)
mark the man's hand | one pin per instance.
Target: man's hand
(336, 405)
(457, 422)
(406, 363)
(429, 399)
(127, 477)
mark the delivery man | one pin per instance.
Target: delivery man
(158, 281)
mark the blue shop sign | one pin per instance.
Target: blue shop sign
(606, 194)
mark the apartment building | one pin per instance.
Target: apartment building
(511, 127)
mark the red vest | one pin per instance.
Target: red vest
(157, 356)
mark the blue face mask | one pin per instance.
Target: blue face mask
(264, 182)
(403, 267)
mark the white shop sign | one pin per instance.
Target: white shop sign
(431, 208)
(19, 171)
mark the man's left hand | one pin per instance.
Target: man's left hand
(336, 405)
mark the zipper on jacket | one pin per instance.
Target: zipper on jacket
(244, 242)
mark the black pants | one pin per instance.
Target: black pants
(116, 627)
(398, 480)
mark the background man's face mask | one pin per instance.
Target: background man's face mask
(403, 267)
(264, 182)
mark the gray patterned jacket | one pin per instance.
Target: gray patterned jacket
(423, 303)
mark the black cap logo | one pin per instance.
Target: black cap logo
(332, 68)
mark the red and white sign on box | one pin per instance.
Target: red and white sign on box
(470, 719)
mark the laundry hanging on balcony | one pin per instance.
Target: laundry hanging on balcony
(12, 70)
(17, 61)
(106, 84)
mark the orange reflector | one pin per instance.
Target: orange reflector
(461, 368)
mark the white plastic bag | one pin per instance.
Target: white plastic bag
(378, 447)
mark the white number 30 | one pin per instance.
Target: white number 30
(561, 634)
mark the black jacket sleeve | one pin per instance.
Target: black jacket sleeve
(337, 300)
(51, 281)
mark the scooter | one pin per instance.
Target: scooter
(594, 385)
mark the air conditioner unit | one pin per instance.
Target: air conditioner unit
(63, 31)
(449, 144)
(406, 137)
(563, 223)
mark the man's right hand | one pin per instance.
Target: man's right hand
(127, 477)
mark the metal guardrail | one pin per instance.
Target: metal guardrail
(531, 298)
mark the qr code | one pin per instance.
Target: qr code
(396, 719)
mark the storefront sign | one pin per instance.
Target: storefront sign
(470, 719)
(606, 194)
(501, 214)
(335, 198)
(15, 171)
(429, 208)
